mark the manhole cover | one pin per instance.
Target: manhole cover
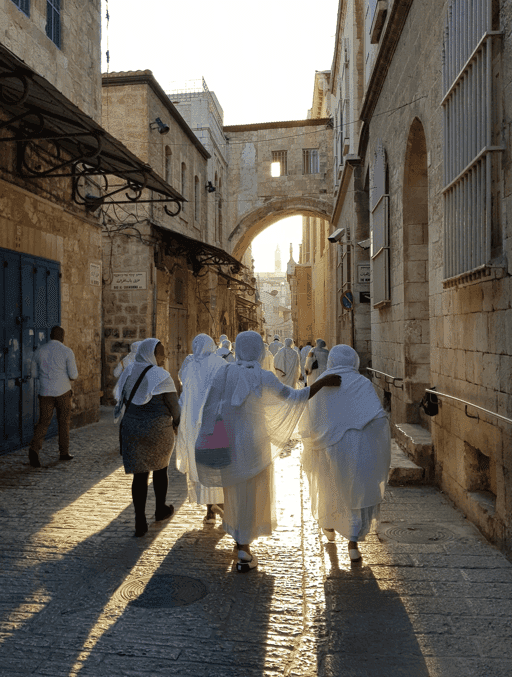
(162, 591)
(418, 533)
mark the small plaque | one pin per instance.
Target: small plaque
(364, 275)
(95, 274)
(123, 281)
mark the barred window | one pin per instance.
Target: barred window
(379, 230)
(183, 184)
(197, 206)
(279, 165)
(24, 5)
(310, 161)
(468, 144)
(53, 23)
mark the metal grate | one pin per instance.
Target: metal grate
(280, 157)
(468, 149)
(162, 591)
(310, 161)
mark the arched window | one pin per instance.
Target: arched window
(183, 183)
(168, 165)
(197, 206)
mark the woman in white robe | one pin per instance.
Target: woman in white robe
(347, 452)
(267, 361)
(225, 351)
(129, 359)
(222, 338)
(318, 354)
(259, 415)
(287, 364)
(196, 376)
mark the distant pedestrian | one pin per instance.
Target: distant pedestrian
(287, 364)
(316, 361)
(304, 352)
(222, 338)
(258, 415)
(55, 366)
(196, 376)
(267, 361)
(126, 361)
(347, 452)
(275, 345)
(225, 351)
(147, 437)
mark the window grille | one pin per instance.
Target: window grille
(53, 23)
(24, 5)
(310, 161)
(379, 231)
(468, 149)
(279, 162)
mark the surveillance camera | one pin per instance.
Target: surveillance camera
(337, 235)
(364, 244)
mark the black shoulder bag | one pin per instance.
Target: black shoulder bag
(132, 394)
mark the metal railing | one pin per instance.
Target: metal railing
(469, 404)
(393, 380)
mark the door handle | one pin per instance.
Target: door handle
(21, 319)
(21, 381)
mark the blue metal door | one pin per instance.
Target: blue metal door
(29, 307)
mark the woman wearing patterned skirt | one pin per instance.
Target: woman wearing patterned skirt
(148, 428)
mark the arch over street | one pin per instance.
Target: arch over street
(253, 223)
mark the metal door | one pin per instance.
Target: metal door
(29, 307)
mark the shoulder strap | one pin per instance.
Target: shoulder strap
(135, 387)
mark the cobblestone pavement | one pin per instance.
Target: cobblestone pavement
(80, 596)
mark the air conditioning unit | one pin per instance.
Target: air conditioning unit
(346, 145)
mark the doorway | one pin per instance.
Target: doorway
(29, 308)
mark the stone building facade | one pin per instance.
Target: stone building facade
(49, 245)
(162, 277)
(439, 301)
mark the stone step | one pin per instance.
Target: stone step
(403, 470)
(416, 443)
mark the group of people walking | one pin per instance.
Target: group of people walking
(239, 406)
(233, 418)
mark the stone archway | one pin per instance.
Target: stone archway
(253, 223)
(416, 273)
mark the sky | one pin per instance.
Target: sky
(258, 57)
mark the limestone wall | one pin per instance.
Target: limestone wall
(75, 68)
(33, 225)
(455, 338)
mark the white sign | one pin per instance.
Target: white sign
(364, 273)
(122, 281)
(95, 274)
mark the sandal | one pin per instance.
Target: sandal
(354, 555)
(246, 562)
(330, 534)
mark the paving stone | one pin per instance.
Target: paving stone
(433, 609)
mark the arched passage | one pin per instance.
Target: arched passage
(253, 223)
(416, 271)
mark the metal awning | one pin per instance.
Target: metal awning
(56, 139)
(198, 254)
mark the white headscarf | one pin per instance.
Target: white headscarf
(333, 411)
(247, 377)
(196, 376)
(222, 338)
(129, 359)
(155, 382)
(225, 348)
(287, 360)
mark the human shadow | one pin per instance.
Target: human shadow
(73, 591)
(370, 633)
(195, 615)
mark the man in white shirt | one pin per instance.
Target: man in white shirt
(55, 366)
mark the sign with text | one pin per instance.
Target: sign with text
(363, 273)
(95, 274)
(124, 281)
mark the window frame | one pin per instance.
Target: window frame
(21, 5)
(308, 156)
(280, 156)
(54, 22)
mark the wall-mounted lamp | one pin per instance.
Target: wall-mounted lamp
(162, 127)
(210, 187)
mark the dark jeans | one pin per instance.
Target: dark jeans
(46, 406)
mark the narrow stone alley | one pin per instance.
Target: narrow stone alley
(79, 596)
